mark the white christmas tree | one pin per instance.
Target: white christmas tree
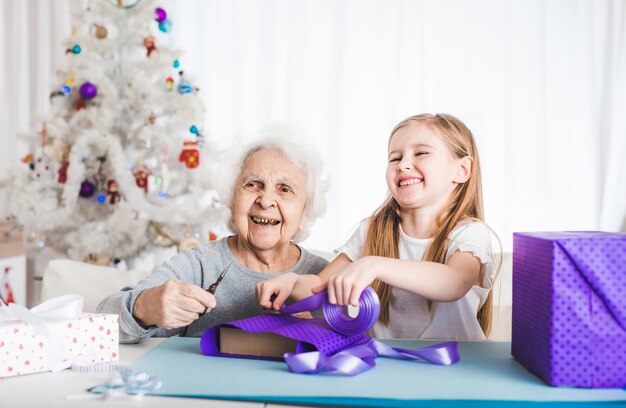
(120, 162)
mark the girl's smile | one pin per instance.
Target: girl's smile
(407, 181)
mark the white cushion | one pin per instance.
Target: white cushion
(64, 276)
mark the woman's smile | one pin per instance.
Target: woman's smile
(264, 221)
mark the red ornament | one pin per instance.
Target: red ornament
(190, 155)
(6, 291)
(63, 173)
(169, 83)
(141, 177)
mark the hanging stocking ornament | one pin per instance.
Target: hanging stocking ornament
(190, 155)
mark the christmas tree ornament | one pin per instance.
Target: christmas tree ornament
(87, 189)
(184, 87)
(199, 136)
(190, 155)
(169, 83)
(70, 79)
(149, 43)
(165, 26)
(62, 173)
(113, 195)
(101, 31)
(141, 174)
(56, 93)
(55, 150)
(88, 91)
(76, 49)
(30, 160)
(6, 289)
(80, 105)
(160, 15)
(176, 64)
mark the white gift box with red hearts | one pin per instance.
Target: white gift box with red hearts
(54, 343)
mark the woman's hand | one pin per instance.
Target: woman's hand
(281, 287)
(172, 305)
(346, 285)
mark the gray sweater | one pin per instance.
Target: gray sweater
(201, 266)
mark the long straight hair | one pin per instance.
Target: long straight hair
(465, 203)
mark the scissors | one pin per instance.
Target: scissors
(213, 288)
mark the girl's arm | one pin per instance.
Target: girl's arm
(294, 286)
(434, 281)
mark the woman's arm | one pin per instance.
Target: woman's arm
(434, 281)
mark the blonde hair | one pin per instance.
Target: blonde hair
(465, 204)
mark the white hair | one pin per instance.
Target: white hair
(283, 138)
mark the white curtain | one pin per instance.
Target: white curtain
(542, 84)
(32, 36)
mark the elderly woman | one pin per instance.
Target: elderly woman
(276, 193)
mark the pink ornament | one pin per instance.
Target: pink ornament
(160, 14)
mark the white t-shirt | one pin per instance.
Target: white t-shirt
(410, 316)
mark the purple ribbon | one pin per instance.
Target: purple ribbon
(337, 316)
(339, 340)
(357, 359)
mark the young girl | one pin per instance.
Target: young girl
(426, 250)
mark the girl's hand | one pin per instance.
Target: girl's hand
(272, 293)
(345, 286)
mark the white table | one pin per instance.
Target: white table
(52, 389)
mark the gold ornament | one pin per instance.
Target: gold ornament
(101, 32)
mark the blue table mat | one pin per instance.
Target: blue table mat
(486, 376)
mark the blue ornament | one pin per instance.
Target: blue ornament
(102, 198)
(165, 26)
(76, 49)
(193, 129)
(176, 64)
(185, 87)
(67, 89)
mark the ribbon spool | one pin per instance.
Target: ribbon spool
(337, 316)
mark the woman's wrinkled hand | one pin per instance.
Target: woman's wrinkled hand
(272, 293)
(172, 305)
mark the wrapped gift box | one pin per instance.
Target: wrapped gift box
(90, 338)
(569, 307)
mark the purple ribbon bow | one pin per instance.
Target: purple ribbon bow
(339, 341)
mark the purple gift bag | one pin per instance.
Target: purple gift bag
(569, 307)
